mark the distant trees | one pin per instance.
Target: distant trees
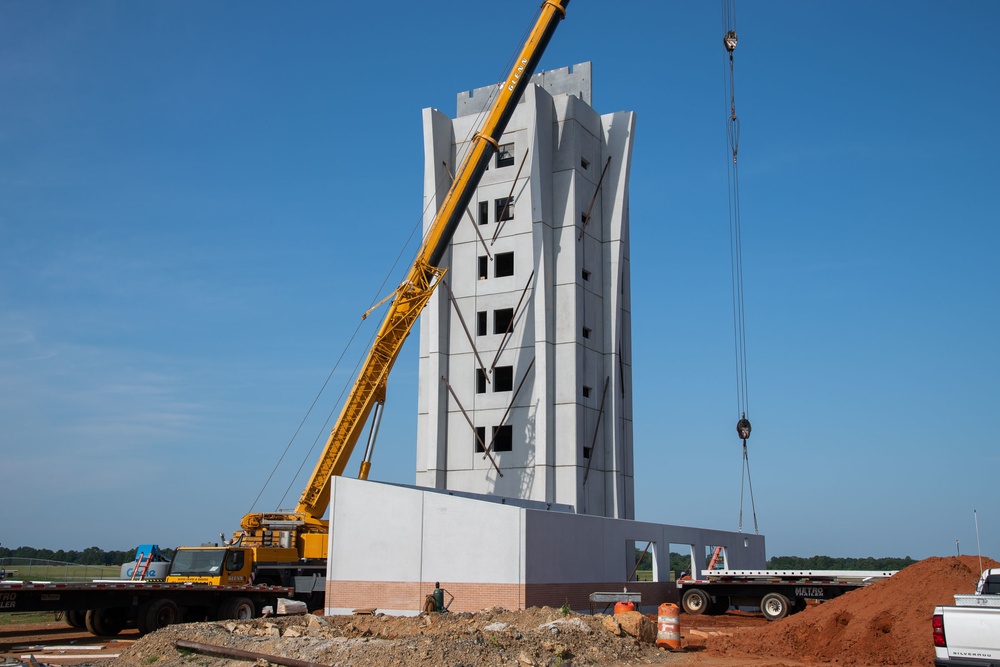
(89, 556)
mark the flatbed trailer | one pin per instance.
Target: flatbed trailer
(777, 593)
(105, 608)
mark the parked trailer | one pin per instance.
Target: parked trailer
(105, 608)
(777, 593)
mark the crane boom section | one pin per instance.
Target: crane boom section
(414, 292)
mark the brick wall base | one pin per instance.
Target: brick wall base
(410, 596)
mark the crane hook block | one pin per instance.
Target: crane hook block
(730, 41)
(743, 428)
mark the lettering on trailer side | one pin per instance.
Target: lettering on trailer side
(8, 600)
(809, 591)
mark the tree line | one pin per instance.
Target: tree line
(682, 563)
(89, 556)
(678, 562)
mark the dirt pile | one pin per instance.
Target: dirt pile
(887, 623)
(492, 637)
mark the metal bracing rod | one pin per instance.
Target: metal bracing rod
(471, 425)
(510, 197)
(468, 334)
(510, 405)
(597, 429)
(510, 325)
(590, 208)
(475, 225)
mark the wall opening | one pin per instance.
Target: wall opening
(680, 560)
(641, 560)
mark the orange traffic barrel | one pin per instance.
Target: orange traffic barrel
(622, 607)
(668, 626)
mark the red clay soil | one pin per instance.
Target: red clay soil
(886, 623)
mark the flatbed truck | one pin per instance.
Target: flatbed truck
(777, 593)
(105, 608)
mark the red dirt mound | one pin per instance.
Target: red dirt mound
(886, 623)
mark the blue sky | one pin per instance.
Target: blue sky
(198, 201)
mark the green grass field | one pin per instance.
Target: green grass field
(24, 569)
(25, 617)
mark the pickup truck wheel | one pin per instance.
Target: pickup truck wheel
(695, 601)
(156, 614)
(774, 606)
(240, 609)
(75, 618)
(105, 622)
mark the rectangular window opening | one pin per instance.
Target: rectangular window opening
(504, 208)
(479, 440)
(585, 163)
(481, 328)
(505, 155)
(503, 438)
(480, 381)
(484, 213)
(503, 378)
(586, 274)
(484, 267)
(586, 391)
(586, 452)
(586, 332)
(504, 264)
(502, 320)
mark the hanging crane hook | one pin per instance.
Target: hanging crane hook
(730, 40)
(743, 428)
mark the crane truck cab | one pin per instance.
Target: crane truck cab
(242, 565)
(218, 566)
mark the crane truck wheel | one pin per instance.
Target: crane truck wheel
(75, 618)
(239, 609)
(156, 614)
(696, 601)
(105, 622)
(774, 606)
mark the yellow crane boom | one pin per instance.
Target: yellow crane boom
(413, 293)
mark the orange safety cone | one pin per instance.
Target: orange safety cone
(668, 626)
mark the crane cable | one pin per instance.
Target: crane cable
(743, 427)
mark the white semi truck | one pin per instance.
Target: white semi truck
(967, 634)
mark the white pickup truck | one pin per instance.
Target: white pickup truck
(968, 633)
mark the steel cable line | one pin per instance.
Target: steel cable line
(743, 427)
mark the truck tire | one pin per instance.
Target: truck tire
(719, 606)
(695, 601)
(798, 604)
(105, 622)
(774, 606)
(156, 614)
(76, 618)
(239, 609)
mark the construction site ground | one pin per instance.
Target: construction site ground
(887, 623)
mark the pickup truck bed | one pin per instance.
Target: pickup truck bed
(968, 633)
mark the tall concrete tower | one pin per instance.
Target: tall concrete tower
(525, 353)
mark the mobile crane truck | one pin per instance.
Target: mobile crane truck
(290, 548)
(285, 552)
